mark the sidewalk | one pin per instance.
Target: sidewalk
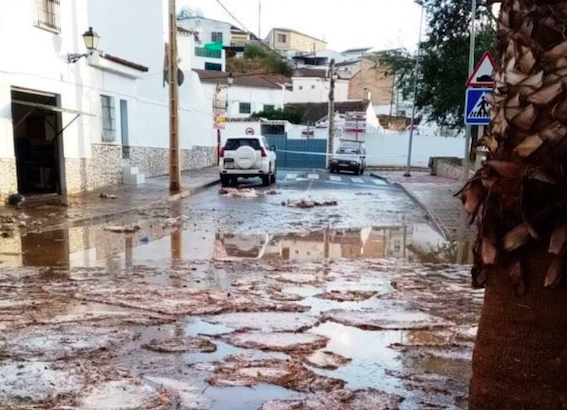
(435, 195)
(48, 211)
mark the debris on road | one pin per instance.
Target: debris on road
(239, 193)
(290, 374)
(182, 345)
(308, 204)
(123, 229)
(37, 383)
(61, 342)
(128, 393)
(278, 342)
(175, 222)
(267, 321)
(104, 195)
(384, 320)
(246, 192)
(347, 295)
(369, 399)
(181, 301)
(326, 360)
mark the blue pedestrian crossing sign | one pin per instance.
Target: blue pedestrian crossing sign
(477, 108)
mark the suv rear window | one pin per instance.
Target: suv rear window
(234, 143)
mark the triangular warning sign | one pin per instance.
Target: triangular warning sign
(482, 74)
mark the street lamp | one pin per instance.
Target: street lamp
(91, 39)
(415, 82)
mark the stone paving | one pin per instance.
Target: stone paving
(436, 195)
(54, 210)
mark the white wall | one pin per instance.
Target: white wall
(390, 149)
(256, 96)
(206, 27)
(38, 61)
(315, 90)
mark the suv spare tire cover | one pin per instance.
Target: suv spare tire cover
(245, 157)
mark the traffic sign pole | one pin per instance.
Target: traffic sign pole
(467, 164)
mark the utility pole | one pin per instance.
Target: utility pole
(174, 169)
(415, 83)
(331, 117)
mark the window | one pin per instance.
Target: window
(203, 52)
(216, 36)
(48, 15)
(245, 108)
(269, 107)
(282, 38)
(213, 66)
(313, 87)
(108, 119)
(232, 144)
(301, 87)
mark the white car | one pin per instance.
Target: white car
(247, 157)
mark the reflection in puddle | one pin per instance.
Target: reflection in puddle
(153, 245)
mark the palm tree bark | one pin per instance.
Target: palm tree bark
(519, 199)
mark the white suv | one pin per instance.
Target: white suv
(247, 157)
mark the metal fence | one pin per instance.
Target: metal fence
(295, 153)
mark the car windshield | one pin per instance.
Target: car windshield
(350, 151)
(234, 143)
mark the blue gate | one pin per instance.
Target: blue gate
(299, 153)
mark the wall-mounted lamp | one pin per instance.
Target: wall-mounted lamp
(91, 39)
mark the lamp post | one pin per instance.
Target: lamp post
(91, 39)
(415, 82)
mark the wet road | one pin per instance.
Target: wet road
(227, 301)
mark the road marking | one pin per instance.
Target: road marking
(357, 180)
(313, 176)
(335, 178)
(291, 176)
(378, 181)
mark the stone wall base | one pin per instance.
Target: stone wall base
(8, 178)
(105, 166)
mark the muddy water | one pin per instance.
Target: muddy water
(154, 245)
(389, 296)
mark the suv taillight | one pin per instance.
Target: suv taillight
(221, 152)
(264, 153)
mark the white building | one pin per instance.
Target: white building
(208, 31)
(313, 86)
(248, 94)
(71, 127)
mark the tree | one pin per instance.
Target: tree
(519, 199)
(444, 61)
(188, 12)
(291, 113)
(260, 58)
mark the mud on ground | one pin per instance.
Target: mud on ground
(191, 335)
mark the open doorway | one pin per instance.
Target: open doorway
(37, 142)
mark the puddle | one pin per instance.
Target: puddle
(154, 245)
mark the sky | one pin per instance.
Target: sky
(344, 24)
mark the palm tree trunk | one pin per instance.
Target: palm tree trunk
(519, 199)
(520, 357)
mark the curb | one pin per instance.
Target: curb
(436, 225)
(173, 198)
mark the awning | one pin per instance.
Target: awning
(51, 108)
(45, 107)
